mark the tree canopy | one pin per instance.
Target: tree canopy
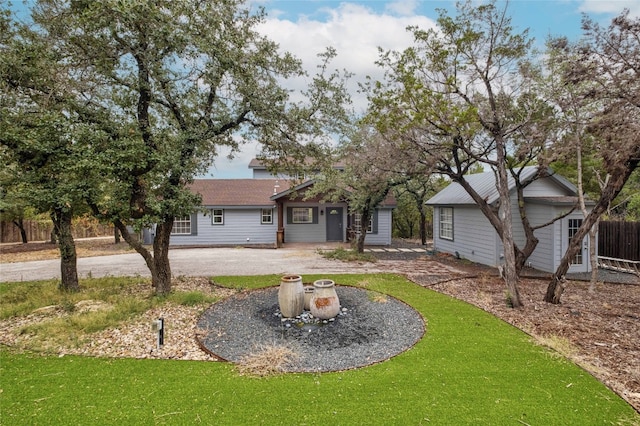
(163, 86)
(464, 94)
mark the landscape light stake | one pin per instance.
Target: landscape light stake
(157, 326)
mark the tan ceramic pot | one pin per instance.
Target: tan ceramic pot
(324, 303)
(291, 296)
(308, 294)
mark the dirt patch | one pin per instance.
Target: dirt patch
(10, 253)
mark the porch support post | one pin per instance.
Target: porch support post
(280, 232)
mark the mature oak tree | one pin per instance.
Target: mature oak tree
(465, 94)
(365, 180)
(45, 162)
(411, 197)
(166, 84)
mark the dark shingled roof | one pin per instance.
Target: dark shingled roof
(238, 192)
(252, 192)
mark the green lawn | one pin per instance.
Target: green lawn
(470, 368)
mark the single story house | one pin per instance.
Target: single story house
(270, 212)
(460, 228)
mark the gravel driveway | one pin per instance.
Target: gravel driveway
(194, 262)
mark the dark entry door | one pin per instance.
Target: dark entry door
(334, 223)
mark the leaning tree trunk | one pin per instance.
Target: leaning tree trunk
(557, 284)
(158, 262)
(68, 259)
(611, 190)
(510, 270)
(423, 226)
(19, 223)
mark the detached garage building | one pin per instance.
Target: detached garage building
(460, 228)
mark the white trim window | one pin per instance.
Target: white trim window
(266, 216)
(357, 218)
(446, 223)
(181, 226)
(217, 217)
(574, 225)
(302, 215)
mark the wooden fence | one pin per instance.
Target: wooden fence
(40, 230)
(620, 240)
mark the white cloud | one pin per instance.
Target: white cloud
(614, 7)
(354, 30)
(238, 166)
(402, 7)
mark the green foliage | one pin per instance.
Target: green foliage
(411, 197)
(144, 95)
(406, 217)
(470, 368)
(627, 204)
(633, 207)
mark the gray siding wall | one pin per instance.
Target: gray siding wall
(544, 188)
(518, 229)
(473, 236)
(552, 245)
(265, 174)
(309, 232)
(241, 227)
(476, 240)
(383, 237)
(542, 256)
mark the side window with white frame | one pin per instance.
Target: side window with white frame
(446, 223)
(266, 216)
(181, 226)
(357, 219)
(302, 215)
(217, 217)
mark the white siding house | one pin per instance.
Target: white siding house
(461, 229)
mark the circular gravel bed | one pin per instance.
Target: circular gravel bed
(371, 327)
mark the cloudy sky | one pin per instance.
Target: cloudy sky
(357, 28)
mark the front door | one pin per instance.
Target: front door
(334, 223)
(580, 263)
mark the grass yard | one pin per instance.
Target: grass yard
(470, 368)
